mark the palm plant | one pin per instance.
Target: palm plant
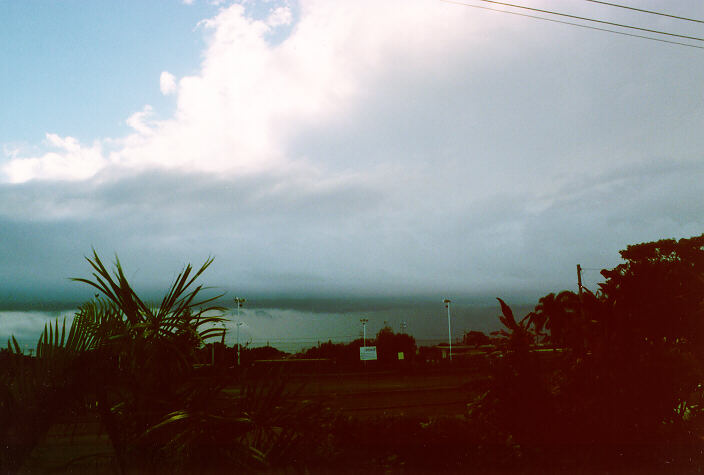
(131, 359)
(137, 365)
(35, 392)
(264, 424)
(517, 402)
(515, 336)
(145, 354)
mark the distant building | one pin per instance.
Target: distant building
(457, 350)
(460, 351)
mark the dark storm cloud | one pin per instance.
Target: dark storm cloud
(346, 238)
(158, 222)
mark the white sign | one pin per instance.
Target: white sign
(367, 353)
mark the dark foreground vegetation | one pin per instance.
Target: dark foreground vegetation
(623, 393)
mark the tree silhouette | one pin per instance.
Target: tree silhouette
(390, 344)
(656, 295)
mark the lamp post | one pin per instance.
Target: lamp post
(239, 302)
(364, 330)
(449, 326)
(239, 324)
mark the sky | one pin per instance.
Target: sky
(366, 148)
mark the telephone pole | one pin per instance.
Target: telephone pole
(449, 327)
(579, 281)
(579, 286)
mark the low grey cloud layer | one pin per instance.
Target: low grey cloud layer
(491, 162)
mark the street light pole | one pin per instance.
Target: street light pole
(239, 301)
(239, 324)
(449, 326)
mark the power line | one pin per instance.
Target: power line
(603, 22)
(633, 35)
(645, 11)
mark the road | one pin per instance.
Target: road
(388, 393)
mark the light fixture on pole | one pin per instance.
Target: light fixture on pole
(449, 326)
(364, 330)
(239, 302)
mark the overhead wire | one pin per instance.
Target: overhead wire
(603, 22)
(580, 25)
(645, 11)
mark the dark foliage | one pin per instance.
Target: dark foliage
(476, 338)
(388, 346)
(624, 391)
(138, 366)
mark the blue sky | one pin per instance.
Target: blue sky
(333, 148)
(79, 68)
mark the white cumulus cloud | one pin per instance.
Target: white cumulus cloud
(70, 161)
(251, 98)
(167, 83)
(139, 121)
(280, 16)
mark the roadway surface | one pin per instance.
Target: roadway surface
(389, 393)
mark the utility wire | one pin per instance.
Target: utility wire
(679, 43)
(603, 22)
(645, 11)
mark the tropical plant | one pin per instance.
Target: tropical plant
(515, 336)
(137, 365)
(128, 357)
(36, 391)
(143, 355)
(516, 405)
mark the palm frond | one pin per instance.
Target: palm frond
(507, 319)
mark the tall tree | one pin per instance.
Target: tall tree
(657, 294)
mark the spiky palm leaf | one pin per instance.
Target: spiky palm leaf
(152, 348)
(132, 357)
(179, 308)
(37, 391)
(266, 424)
